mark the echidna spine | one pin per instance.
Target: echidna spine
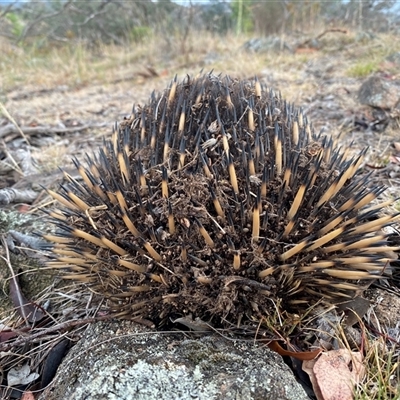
(214, 198)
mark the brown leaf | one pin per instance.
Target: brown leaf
(28, 396)
(334, 374)
(300, 355)
(7, 335)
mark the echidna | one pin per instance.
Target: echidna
(217, 199)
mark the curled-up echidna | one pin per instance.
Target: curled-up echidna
(217, 199)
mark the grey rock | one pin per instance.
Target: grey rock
(378, 92)
(123, 361)
(266, 45)
(394, 58)
(365, 37)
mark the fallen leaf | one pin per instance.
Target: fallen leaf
(28, 396)
(300, 355)
(334, 374)
(21, 375)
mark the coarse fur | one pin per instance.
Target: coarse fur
(217, 199)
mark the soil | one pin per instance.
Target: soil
(319, 85)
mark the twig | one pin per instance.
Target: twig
(45, 129)
(8, 9)
(93, 15)
(9, 116)
(14, 165)
(320, 36)
(59, 327)
(21, 300)
(41, 17)
(12, 195)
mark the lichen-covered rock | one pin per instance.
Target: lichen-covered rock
(122, 361)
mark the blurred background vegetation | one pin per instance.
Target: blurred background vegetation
(45, 23)
(74, 42)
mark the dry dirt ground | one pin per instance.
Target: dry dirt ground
(322, 81)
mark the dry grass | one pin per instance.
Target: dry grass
(383, 376)
(77, 65)
(382, 380)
